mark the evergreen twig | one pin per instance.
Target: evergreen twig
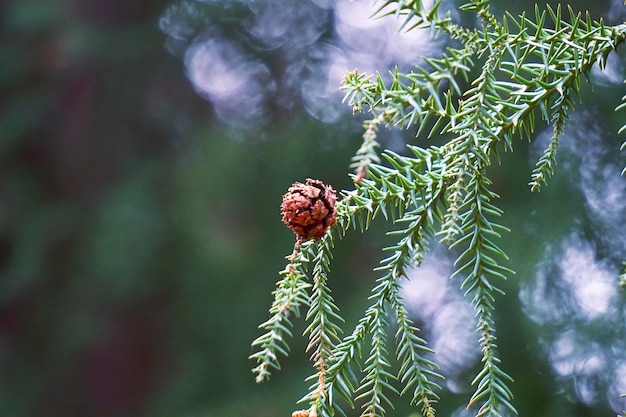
(529, 68)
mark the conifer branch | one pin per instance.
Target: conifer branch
(375, 384)
(529, 68)
(418, 16)
(290, 295)
(545, 166)
(416, 371)
(481, 8)
(323, 329)
(367, 154)
(479, 264)
(342, 377)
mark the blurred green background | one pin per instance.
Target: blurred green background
(145, 147)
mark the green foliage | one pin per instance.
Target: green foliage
(290, 295)
(517, 69)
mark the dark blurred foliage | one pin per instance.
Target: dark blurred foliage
(139, 228)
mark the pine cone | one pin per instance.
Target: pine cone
(309, 209)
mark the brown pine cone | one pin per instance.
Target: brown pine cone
(309, 209)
